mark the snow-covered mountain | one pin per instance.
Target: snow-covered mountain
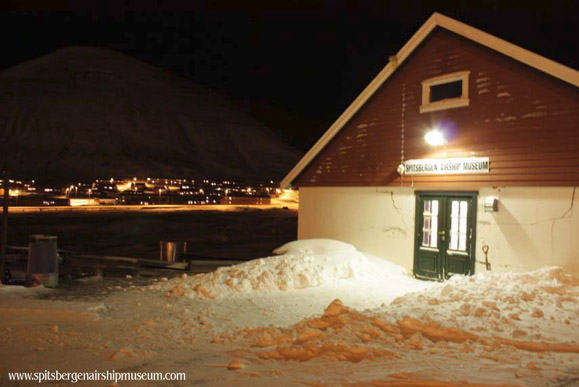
(83, 112)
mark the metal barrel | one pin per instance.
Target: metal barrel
(42, 265)
(172, 251)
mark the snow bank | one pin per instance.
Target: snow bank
(480, 314)
(303, 264)
(511, 304)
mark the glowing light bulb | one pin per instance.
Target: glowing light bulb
(435, 138)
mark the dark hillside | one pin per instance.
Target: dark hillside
(82, 113)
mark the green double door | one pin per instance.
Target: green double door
(445, 234)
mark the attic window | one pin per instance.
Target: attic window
(445, 92)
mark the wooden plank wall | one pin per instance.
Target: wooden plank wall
(525, 121)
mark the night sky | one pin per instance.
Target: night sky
(294, 65)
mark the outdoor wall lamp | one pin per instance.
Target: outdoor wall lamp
(435, 137)
(491, 204)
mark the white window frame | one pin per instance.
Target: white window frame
(449, 103)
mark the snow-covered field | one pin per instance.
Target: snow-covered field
(320, 313)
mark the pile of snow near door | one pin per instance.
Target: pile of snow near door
(301, 264)
(501, 317)
(512, 305)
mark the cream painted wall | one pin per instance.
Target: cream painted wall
(378, 221)
(534, 226)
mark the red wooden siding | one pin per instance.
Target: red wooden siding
(525, 121)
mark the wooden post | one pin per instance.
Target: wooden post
(4, 234)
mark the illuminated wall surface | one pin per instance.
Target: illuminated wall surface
(534, 226)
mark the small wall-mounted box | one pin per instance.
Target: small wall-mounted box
(491, 204)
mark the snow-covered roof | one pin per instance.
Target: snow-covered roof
(529, 58)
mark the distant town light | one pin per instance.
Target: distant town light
(435, 137)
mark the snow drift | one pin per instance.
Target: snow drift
(511, 304)
(483, 314)
(303, 264)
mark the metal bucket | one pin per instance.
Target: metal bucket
(42, 261)
(172, 251)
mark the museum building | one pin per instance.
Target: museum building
(461, 155)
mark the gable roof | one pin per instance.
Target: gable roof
(529, 58)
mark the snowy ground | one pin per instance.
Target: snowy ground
(278, 321)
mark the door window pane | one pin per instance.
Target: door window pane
(430, 223)
(454, 226)
(458, 225)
